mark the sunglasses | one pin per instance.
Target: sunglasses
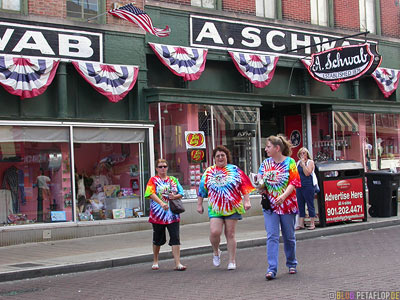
(161, 167)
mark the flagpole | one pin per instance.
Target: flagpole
(119, 5)
(95, 17)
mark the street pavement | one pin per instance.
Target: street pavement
(93, 253)
(357, 265)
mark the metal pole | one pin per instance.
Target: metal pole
(309, 131)
(333, 135)
(72, 170)
(160, 130)
(95, 17)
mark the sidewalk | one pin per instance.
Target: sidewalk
(84, 254)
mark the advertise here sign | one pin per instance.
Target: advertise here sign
(344, 63)
(344, 200)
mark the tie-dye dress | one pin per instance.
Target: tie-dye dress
(277, 177)
(161, 187)
(224, 188)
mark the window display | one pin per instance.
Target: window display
(108, 178)
(185, 135)
(371, 139)
(35, 169)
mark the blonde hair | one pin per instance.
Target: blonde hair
(304, 149)
(283, 143)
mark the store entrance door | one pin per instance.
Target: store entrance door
(294, 132)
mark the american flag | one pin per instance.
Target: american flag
(138, 16)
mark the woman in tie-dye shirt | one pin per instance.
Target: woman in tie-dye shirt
(280, 179)
(160, 189)
(224, 185)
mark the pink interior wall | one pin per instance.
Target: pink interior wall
(88, 156)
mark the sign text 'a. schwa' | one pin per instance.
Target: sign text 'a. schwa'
(32, 40)
(228, 34)
(344, 63)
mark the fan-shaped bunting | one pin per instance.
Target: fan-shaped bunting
(113, 81)
(259, 69)
(26, 77)
(186, 62)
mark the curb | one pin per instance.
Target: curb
(124, 261)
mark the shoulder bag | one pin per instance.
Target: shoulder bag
(265, 202)
(315, 183)
(176, 206)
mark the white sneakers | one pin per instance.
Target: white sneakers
(217, 259)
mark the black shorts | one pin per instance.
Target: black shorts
(159, 237)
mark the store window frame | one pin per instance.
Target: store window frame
(268, 8)
(368, 10)
(101, 7)
(23, 4)
(319, 12)
(148, 128)
(212, 110)
(215, 4)
(371, 138)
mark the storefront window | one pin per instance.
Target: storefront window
(372, 139)
(348, 144)
(233, 126)
(36, 175)
(236, 127)
(108, 173)
(322, 137)
(387, 142)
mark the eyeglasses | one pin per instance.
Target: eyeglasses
(161, 167)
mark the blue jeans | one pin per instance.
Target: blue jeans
(272, 222)
(305, 195)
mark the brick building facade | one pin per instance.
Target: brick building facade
(162, 108)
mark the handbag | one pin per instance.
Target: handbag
(176, 206)
(265, 202)
(315, 183)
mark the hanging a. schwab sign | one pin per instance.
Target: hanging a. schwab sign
(344, 63)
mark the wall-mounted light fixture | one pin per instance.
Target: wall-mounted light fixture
(165, 111)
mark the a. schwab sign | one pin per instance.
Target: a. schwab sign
(344, 63)
(227, 34)
(65, 43)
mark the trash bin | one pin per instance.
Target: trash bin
(382, 193)
(342, 191)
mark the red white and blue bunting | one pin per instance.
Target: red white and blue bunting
(26, 77)
(186, 62)
(112, 81)
(333, 86)
(387, 80)
(259, 69)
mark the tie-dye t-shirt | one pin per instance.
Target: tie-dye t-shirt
(224, 188)
(277, 177)
(161, 187)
